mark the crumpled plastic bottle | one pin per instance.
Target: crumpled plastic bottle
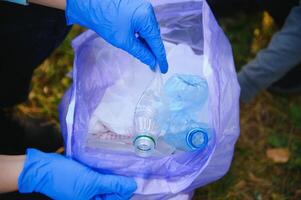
(184, 96)
(185, 92)
(171, 111)
(186, 134)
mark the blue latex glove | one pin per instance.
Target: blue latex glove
(62, 178)
(119, 22)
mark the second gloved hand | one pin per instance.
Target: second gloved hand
(127, 24)
(61, 178)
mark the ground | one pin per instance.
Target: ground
(267, 160)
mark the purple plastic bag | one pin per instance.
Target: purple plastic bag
(181, 21)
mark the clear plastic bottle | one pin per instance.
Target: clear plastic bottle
(147, 129)
(185, 95)
(187, 134)
(171, 110)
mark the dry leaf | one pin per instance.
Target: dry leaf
(60, 150)
(278, 155)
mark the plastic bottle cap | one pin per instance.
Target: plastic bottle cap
(197, 138)
(144, 145)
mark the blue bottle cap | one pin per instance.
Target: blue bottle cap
(197, 138)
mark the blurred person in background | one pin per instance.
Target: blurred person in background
(277, 67)
(29, 33)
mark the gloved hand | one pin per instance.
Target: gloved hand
(61, 178)
(119, 22)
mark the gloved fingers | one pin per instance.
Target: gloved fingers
(141, 51)
(99, 197)
(108, 197)
(113, 197)
(110, 184)
(157, 47)
(148, 29)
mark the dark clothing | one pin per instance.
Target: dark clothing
(277, 64)
(276, 67)
(28, 36)
(278, 9)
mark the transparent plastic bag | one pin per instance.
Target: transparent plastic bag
(99, 67)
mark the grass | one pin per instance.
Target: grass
(269, 121)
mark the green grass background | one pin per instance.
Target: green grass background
(269, 121)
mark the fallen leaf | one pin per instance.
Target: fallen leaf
(60, 150)
(278, 155)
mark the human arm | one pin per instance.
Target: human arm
(59, 4)
(281, 55)
(10, 169)
(128, 25)
(61, 178)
